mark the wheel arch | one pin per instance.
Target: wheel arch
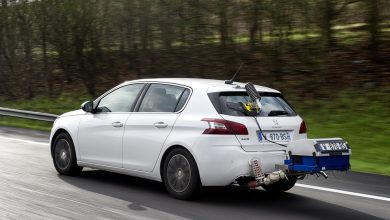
(166, 153)
(55, 135)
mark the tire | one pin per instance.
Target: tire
(64, 156)
(281, 186)
(180, 174)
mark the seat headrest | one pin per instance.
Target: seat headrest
(159, 91)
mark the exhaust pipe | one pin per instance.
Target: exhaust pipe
(260, 178)
(270, 179)
(274, 177)
(323, 174)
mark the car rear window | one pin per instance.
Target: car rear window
(273, 104)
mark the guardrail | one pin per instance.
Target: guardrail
(28, 114)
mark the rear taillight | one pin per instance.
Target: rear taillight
(221, 126)
(303, 129)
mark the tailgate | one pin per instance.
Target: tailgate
(277, 129)
(278, 121)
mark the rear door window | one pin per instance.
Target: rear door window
(273, 104)
(164, 98)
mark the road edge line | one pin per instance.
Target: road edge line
(25, 141)
(343, 192)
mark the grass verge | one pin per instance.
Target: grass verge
(58, 105)
(362, 121)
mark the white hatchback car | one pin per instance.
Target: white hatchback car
(186, 133)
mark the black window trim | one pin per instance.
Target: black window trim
(180, 96)
(141, 97)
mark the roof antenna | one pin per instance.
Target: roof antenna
(234, 76)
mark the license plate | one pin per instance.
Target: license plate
(278, 136)
(332, 146)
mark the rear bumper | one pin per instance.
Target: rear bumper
(222, 165)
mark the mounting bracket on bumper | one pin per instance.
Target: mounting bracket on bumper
(257, 171)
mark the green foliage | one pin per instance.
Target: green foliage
(59, 105)
(63, 103)
(25, 123)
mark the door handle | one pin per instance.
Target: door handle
(117, 124)
(160, 124)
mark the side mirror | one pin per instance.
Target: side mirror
(87, 106)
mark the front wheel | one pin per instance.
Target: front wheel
(282, 185)
(180, 174)
(64, 155)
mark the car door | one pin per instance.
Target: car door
(149, 126)
(100, 133)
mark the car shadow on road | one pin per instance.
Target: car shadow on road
(213, 203)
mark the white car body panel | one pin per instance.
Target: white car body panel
(99, 142)
(143, 141)
(141, 146)
(70, 125)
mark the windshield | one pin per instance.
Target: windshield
(273, 104)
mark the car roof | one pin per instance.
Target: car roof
(210, 85)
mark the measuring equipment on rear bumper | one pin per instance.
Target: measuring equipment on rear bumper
(315, 155)
(305, 156)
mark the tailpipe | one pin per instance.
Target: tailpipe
(261, 179)
(270, 179)
(274, 177)
(323, 174)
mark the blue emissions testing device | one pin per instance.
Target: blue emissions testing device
(316, 155)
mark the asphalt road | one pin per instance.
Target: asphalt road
(30, 188)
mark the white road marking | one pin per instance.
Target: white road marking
(297, 184)
(25, 141)
(344, 192)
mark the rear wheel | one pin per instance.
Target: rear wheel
(64, 155)
(180, 174)
(282, 185)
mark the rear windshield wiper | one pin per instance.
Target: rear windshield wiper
(277, 112)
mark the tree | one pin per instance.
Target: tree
(256, 27)
(42, 15)
(8, 44)
(373, 22)
(56, 42)
(330, 10)
(145, 16)
(223, 11)
(25, 23)
(165, 22)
